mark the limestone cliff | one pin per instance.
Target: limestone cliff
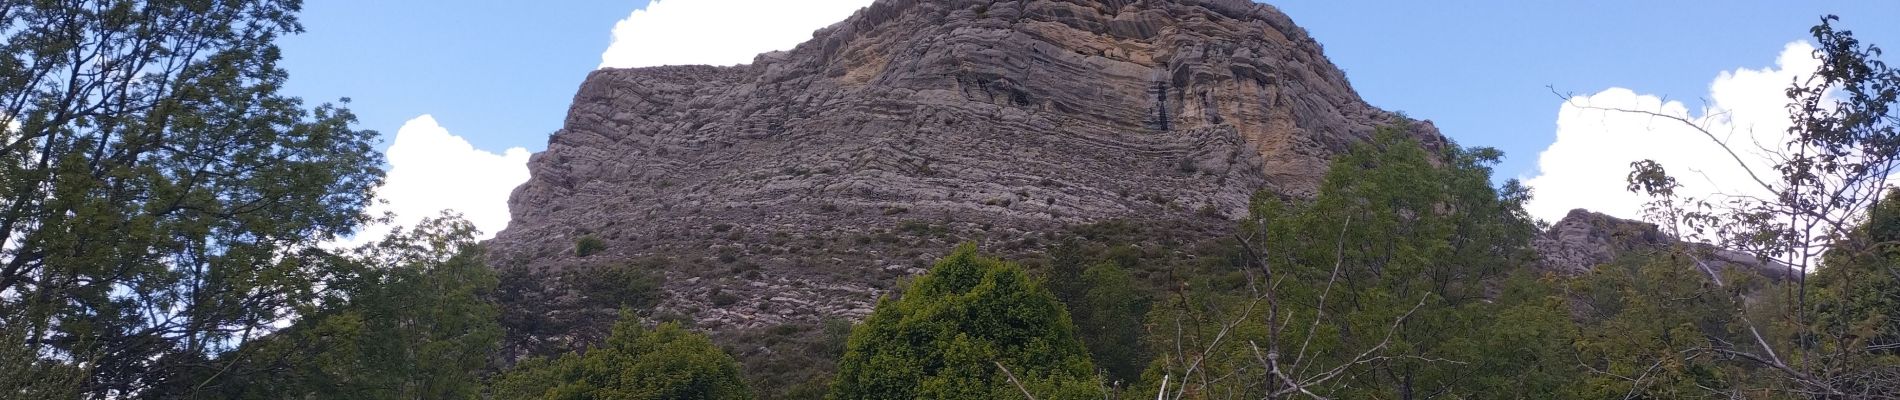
(800, 186)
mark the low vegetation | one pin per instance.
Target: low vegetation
(667, 362)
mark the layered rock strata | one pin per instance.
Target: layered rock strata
(801, 186)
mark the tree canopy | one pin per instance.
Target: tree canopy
(418, 321)
(971, 328)
(161, 201)
(1385, 285)
(635, 363)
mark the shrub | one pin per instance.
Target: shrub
(588, 245)
(721, 299)
(617, 285)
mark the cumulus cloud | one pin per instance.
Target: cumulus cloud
(718, 32)
(1589, 163)
(431, 170)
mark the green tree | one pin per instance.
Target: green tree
(1066, 262)
(972, 328)
(1383, 286)
(1110, 320)
(24, 375)
(162, 203)
(1651, 325)
(1814, 203)
(1857, 306)
(1525, 347)
(635, 363)
(418, 322)
(1106, 303)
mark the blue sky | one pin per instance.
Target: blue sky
(500, 74)
(1482, 70)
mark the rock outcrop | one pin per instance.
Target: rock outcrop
(1584, 240)
(801, 186)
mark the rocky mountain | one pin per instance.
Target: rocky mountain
(801, 186)
(778, 200)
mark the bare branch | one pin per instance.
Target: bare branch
(1012, 380)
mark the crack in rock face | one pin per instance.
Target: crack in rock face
(802, 186)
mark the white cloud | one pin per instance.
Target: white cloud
(431, 170)
(1588, 165)
(718, 32)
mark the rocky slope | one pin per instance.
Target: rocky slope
(801, 186)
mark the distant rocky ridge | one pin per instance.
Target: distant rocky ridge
(1584, 240)
(803, 185)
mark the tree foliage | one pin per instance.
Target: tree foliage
(1857, 305)
(1822, 215)
(419, 322)
(24, 375)
(1108, 305)
(1384, 286)
(1110, 320)
(1646, 321)
(161, 202)
(972, 328)
(635, 363)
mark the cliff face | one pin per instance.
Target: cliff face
(802, 185)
